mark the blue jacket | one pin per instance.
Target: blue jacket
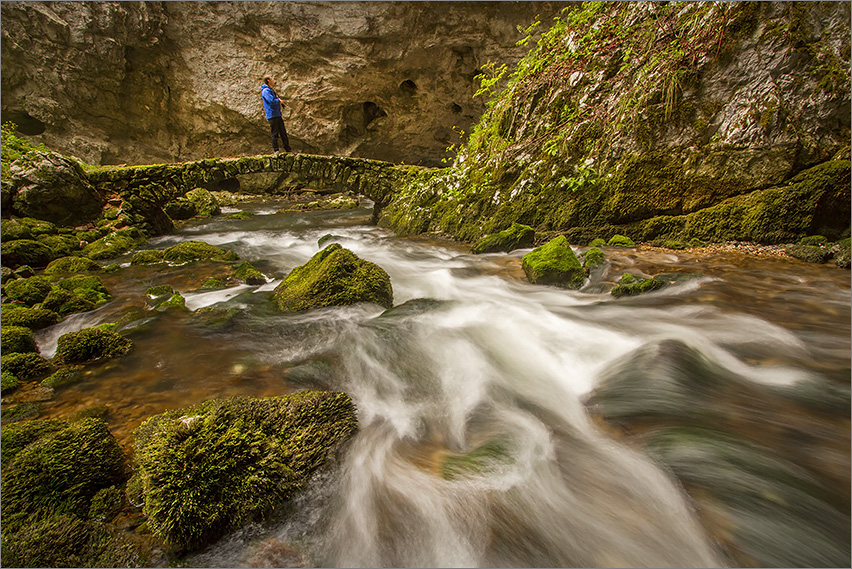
(271, 102)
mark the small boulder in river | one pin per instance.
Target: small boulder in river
(554, 264)
(53, 187)
(518, 236)
(90, 344)
(213, 467)
(334, 277)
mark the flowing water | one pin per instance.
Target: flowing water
(477, 446)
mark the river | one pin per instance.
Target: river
(508, 424)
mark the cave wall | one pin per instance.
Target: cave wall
(142, 82)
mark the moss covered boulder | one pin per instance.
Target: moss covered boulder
(28, 291)
(8, 382)
(248, 274)
(147, 257)
(25, 228)
(64, 302)
(16, 340)
(620, 241)
(213, 467)
(518, 236)
(89, 287)
(334, 277)
(90, 344)
(110, 246)
(59, 472)
(189, 251)
(32, 318)
(809, 253)
(554, 264)
(204, 202)
(26, 366)
(631, 285)
(72, 265)
(593, 259)
(26, 252)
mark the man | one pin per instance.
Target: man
(272, 108)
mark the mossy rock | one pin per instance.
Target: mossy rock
(63, 377)
(65, 302)
(8, 382)
(696, 242)
(175, 303)
(91, 235)
(205, 203)
(670, 244)
(328, 238)
(240, 215)
(480, 461)
(20, 412)
(213, 467)
(17, 340)
(842, 254)
(27, 366)
(147, 257)
(26, 252)
(32, 318)
(60, 472)
(95, 411)
(554, 264)
(593, 259)
(189, 251)
(159, 291)
(517, 236)
(631, 285)
(106, 504)
(72, 265)
(67, 541)
(597, 242)
(89, 287)
(809, 253)
(334, 277)
(14, 438)
(25, 228)
(814, 241)
(248, 274)
(180, 209)
(28, 291)
(90, 344)
(110, 246)
(215, 283)
(60, 245)
(620, 241)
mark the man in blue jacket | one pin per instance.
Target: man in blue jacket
(272, 108)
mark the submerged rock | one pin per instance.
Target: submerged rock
(216, 466)
(517, 236)
(631, 285)
(334, 277)
(554, 264)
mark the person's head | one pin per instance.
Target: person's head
(268, 80)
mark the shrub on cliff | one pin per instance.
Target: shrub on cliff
(13, 147)
(210, 468)
(517, 236)
(554, 263)
(90, 344)
(334, 277)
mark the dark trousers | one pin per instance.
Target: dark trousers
(276, 124)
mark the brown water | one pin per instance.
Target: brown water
(494, 363)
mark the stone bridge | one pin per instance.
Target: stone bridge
(149, 188)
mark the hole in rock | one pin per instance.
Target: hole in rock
(408, 87)
(26, 123)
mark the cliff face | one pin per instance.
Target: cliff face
(641, 117)
(135, 82)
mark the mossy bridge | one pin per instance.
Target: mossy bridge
(149, 188)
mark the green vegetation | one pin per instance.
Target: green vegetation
(26, 252)
(189, 251)
(110, 246)
(14, 147)
(147, 257)
(65, 302)
(16, 340)
(28, 291)
(554, 264)
(213, 467)
(90, 344)
(334, 277)
(481, 460)
(593, 259)
(248, 274)
(620, 241)
(517, 236)
(64, 376)
(26, 366)
(72, 265)
(8, 382)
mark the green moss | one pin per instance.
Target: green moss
(65, 376)
(60, 472)
(26, 366)
(89, 287)
(14, 438)
(814, 241)
(517, 236)
(248, 274)
(176, 302)
(593, 259)
(72, 265)
(214, 283)
(696, 242)
(842, 254)
(25, 228)
(159, 291)
(106, 504)
(16, 340)
(110, 246)
(631, 285)
(189, 251)
(620, 241)
(147, 257)
(240, 215)
(8, 382)
(91, 235)
(26, 252)
(334, 277)
(327, 238)
(554, 264)
(20, 412)
(215, 466)
(60, 245)
(28, 291)
(597, 242)
(65, 302)
(205, 203)
(14, 147)
(93, 412)
(90, 344)
(808, 253)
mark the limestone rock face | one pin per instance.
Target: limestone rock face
(115, 82)
(51, 187)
